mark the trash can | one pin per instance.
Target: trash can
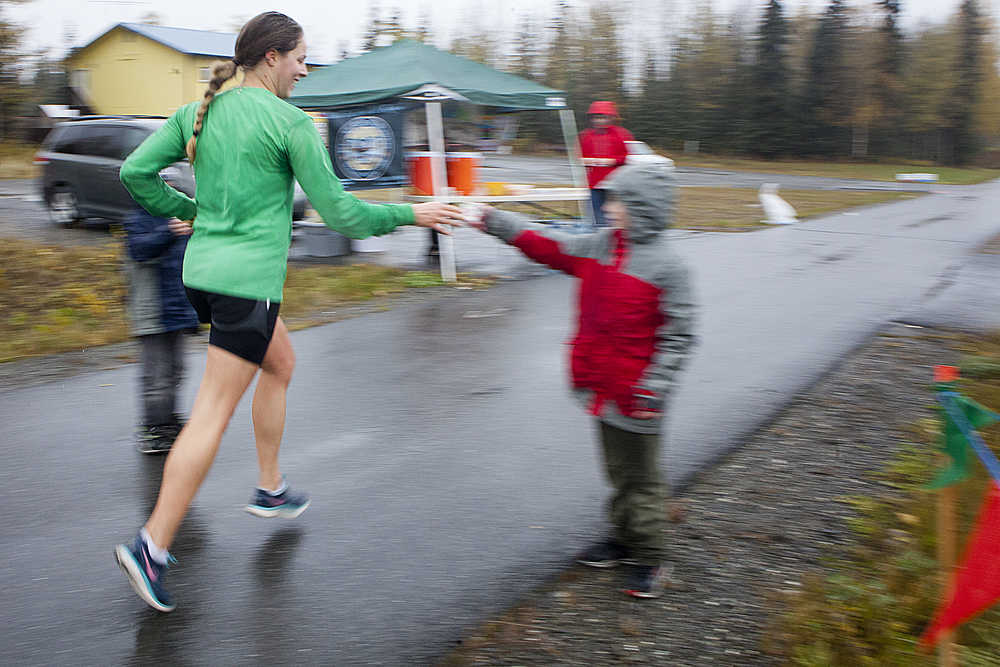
(314, 239)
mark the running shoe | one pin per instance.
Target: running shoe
(287, 504)
(604, 554)
(155, 439)
(145, 574)
(646, 581)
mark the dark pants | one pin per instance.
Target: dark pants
(636, 507)
(162, 371)
(597, 197)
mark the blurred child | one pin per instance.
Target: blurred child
(160, 314)
(636, 313)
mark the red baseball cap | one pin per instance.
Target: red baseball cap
(603, 108)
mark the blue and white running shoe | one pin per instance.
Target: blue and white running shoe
(145, 574)
(287, 504)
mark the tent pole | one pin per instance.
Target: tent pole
(575, 165)
(439, 183)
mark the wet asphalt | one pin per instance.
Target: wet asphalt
(450, 471)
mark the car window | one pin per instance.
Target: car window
(102, 141)
(66, 139)
(130, 140)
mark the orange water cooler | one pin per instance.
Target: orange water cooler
(463, 171)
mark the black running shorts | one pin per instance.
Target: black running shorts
(241, 326)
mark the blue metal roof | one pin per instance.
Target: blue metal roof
(185, 40)
(194, 42)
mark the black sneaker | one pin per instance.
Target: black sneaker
(646, 581)
(604, 554)
(173, 428)
(155, 439)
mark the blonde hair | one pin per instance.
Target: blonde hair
(270, 31)
(221, 72)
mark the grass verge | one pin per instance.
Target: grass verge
(16, 160)
(869, 171)
(737, 209)
(55, 299)
(872, 604)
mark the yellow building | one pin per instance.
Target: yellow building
(134, 68)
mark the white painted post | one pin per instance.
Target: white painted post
(575, 165)
(439, 183)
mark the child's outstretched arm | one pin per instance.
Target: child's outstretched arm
(674, 338)
(559, 250)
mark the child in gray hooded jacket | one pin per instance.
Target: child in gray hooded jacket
(636, 314)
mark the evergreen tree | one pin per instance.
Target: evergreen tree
(646, 106)
(731, 126)
(826, 102)
(888, 81)
(770, 101)
(968, 79)
(12, 92)
(927, 90)
(680, 120)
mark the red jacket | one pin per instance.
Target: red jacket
(605, 142)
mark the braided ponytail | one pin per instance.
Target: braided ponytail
(221, 72)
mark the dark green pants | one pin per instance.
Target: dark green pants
(636, 506)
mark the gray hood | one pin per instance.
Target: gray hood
(648, 193)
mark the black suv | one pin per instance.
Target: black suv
(80, 160)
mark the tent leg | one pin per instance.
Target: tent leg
(575, 165)
(439, 183)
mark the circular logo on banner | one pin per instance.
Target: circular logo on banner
(364, 147)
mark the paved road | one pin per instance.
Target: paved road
(523, 169)
(449, 469)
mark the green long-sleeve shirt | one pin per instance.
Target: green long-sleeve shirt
(251, 148)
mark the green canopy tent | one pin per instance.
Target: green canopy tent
(411, 70)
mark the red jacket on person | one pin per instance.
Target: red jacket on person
(604, 142)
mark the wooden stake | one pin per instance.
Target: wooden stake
(946, 561)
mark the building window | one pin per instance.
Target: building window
(80, 79)
(204, 74)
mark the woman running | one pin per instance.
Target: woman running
(246, 146)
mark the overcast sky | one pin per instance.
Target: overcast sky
(330, 23)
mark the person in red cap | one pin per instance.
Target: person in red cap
(602, 146)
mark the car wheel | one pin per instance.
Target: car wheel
(63, 208)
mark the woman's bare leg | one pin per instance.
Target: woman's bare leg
(226, 378)
(269, 405)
